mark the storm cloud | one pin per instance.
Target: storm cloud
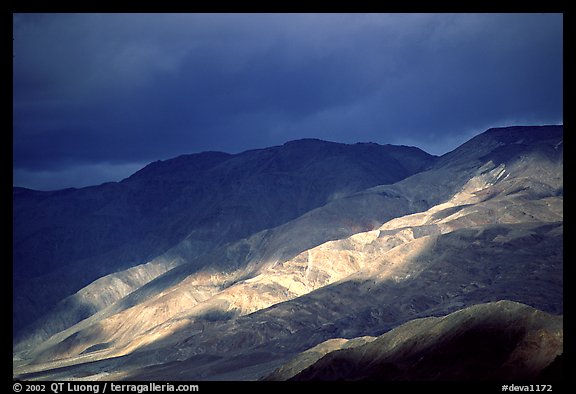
(96, 96)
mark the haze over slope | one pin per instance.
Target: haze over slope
(483, 223)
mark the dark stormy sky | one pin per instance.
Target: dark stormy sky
(98, 96)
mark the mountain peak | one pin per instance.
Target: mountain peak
(514, 134)
(224, 266)
(512, 139)
(307, 141)
(493, 341)
(210, 197)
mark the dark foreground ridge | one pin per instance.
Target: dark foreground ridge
(496, 341)
(226, 267)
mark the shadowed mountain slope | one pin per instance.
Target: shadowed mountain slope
(484, 223)
(503, 341)
(63, 240)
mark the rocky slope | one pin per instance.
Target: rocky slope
(64, 240)
(501, 341)
(484, 223)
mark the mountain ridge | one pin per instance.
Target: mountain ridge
(268, 296)
(115, 226)
(495, 341)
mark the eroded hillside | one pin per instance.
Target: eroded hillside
(484, 223)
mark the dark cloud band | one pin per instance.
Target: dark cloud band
(133, 88)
